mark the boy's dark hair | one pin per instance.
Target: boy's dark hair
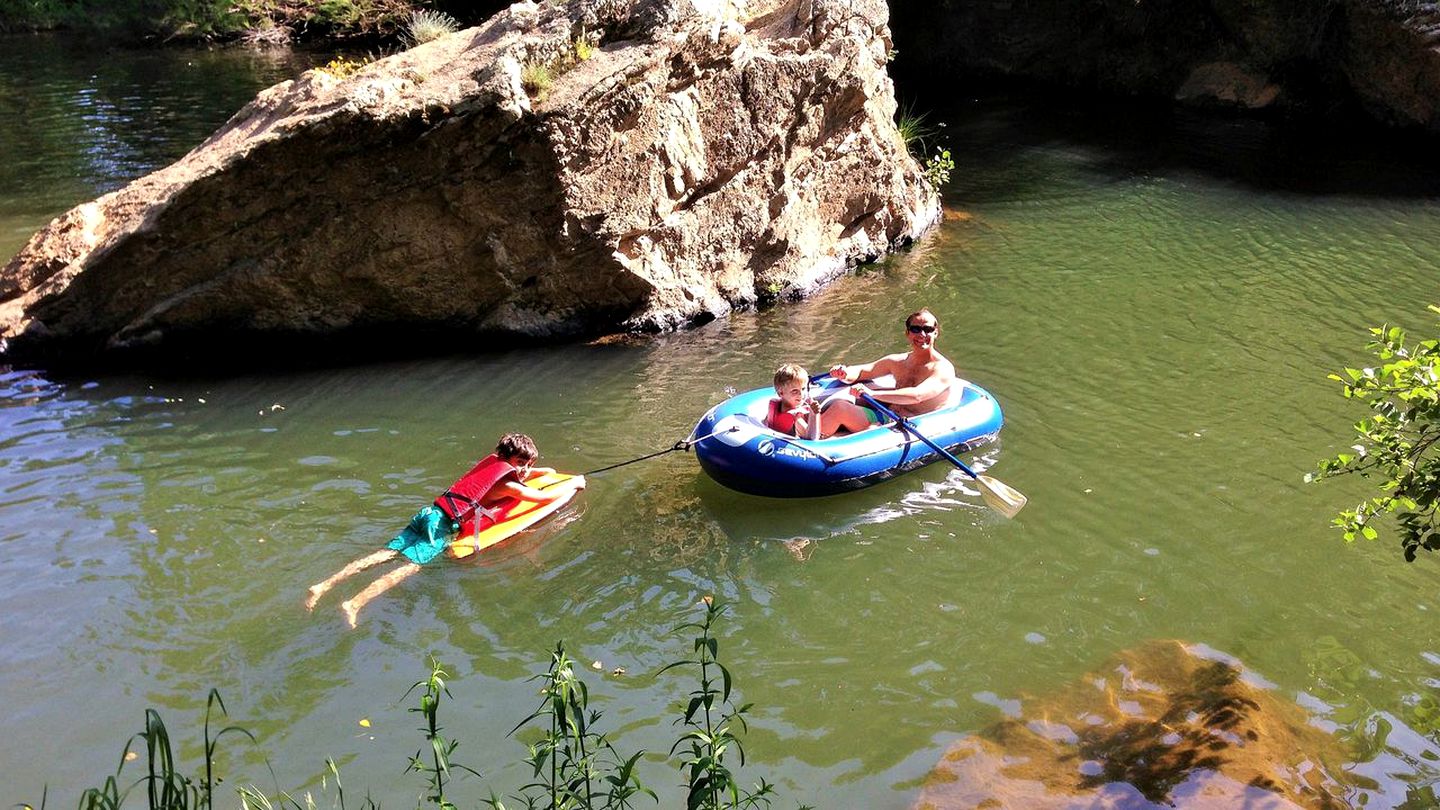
(516, 446)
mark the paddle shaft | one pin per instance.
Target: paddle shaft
(910, 428)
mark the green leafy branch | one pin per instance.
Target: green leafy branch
(1397, 441)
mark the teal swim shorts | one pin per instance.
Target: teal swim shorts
(426, 537)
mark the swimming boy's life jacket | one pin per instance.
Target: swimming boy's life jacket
(462, 499)
(780, 420)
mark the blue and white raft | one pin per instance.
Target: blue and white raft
(736, 449)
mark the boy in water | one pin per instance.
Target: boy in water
(496, 477)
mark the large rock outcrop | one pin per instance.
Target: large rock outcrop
(1375, 57)
(503, 180)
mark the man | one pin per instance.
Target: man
(924, 380)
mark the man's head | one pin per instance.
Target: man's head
(517, 449)
(921, 328)
(790, 383)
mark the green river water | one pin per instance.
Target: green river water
(1154, 299)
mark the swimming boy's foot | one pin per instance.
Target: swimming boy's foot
(351, 611)
(315, 593)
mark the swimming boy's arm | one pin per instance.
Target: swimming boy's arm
(515, 489)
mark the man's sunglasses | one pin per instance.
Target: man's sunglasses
(920, 328)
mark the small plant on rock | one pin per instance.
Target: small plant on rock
(583, 48)
(914, 132)
(342, 67)
(426, 25)
(935, 161)
(536, 78)
(938, 167)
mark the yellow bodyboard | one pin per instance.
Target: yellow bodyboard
(512, 516)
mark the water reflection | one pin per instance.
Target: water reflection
(78, 119)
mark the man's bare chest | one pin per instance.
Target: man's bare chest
(909, 374)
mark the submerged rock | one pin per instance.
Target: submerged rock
(565, 169)
(1165, 725)
(1228, 84)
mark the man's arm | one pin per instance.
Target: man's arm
(849, 374)
(937, 383)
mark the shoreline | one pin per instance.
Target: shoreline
(263, 24)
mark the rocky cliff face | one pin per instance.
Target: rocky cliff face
(1379, 56)
(504, 180)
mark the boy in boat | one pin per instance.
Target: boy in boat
(792, 412)
(496, 477)
(923, 380)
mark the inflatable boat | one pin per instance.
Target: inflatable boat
(736, 449)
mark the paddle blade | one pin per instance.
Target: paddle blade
(1001, 497)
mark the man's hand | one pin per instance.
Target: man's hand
(843, 373)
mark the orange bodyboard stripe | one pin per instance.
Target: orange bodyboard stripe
(512, 517)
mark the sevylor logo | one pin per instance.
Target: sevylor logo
(766, 447)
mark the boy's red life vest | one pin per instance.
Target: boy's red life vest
(462, 499)
(778, 420)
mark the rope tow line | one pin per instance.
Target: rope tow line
(683, 444)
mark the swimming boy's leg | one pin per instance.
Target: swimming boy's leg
(319, 589)
(351, 607)
(421, 541)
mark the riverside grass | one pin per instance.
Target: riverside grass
(574, 766)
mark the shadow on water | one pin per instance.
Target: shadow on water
(1013, 147)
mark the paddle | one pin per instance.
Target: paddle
(998, 496)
